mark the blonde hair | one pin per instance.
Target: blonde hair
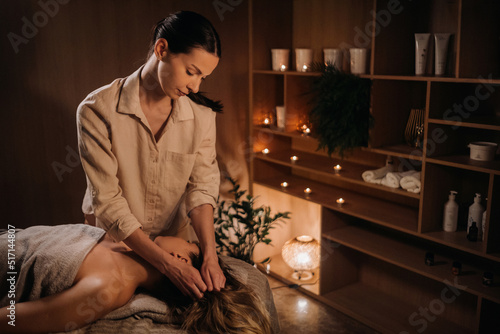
(234, 309)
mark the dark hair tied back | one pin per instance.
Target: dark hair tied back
(184, 31)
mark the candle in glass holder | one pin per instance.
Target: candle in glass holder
(265, 151)
(340, 202)
(337, 169)
(267, 121)
(307, 192)
(294, 159)
(284, 185)
(283, 68)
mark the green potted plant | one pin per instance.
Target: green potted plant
(340, 116)
(239, 226)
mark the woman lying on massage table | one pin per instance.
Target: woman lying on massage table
(111, 273)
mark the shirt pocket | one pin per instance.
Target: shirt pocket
(176, 170)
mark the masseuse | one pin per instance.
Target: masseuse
(147, 145)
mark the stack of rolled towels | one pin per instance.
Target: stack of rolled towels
(386, 176)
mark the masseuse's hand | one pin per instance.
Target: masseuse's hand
(212, 273)
(186, 278)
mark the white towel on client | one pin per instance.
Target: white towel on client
(411, 182)
(376, 176)
(392, 179)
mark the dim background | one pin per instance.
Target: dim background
(82, 46)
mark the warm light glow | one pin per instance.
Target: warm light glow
(337, 169)
(267, 121)
(301, 254)
(294, 158)
(340, 201)
(307, 191)
(284, 184)
(265, 151)
(283, 68)
(304, 68)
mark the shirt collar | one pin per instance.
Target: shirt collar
(129, 102)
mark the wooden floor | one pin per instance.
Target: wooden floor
(299, 313)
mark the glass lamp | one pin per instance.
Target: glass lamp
(302, 255)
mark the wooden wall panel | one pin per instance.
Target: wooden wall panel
(78, 47)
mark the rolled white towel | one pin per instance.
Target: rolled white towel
(375, 176)
(393, 179)
(411, 182)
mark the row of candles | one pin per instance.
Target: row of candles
(307, 192)
(294, 159)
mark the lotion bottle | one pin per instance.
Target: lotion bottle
(450, 216)
(475, 212)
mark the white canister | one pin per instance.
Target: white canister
(333, 57)
(303, 59)
(358, 60)
(483, 151)
(280, 117)
(280, 59)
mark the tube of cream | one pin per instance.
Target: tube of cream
(421, 47)
(441, 47)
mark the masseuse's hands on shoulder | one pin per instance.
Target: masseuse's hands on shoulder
(185, 277)
(212, 273)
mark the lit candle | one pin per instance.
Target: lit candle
(267, 121)
(340, 202)
(337, 169)
(284, 185)
(283, 68)
(294, 158)
(307, 192)
(265, 151)
(304, 68)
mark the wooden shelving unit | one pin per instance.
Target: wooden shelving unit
(373, 247)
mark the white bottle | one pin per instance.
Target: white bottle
(450, 216)
(475, 212)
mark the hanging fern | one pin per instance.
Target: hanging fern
(340, 116)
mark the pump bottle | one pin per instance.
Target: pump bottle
(450, 216)
(475, 212)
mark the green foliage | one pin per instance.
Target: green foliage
(239, 227)
(341, 116)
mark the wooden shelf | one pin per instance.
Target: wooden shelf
(484, 123)
(294, 73)
(382, 311)
(464, 162)
(399, 150)
(377, 274)
(281, 271)
(411, 258)
(395, 216)
(323, 166)
(493, 81)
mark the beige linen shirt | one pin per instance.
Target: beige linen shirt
(132, 180)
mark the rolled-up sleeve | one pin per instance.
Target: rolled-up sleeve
(203, 186)
(101, 166)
